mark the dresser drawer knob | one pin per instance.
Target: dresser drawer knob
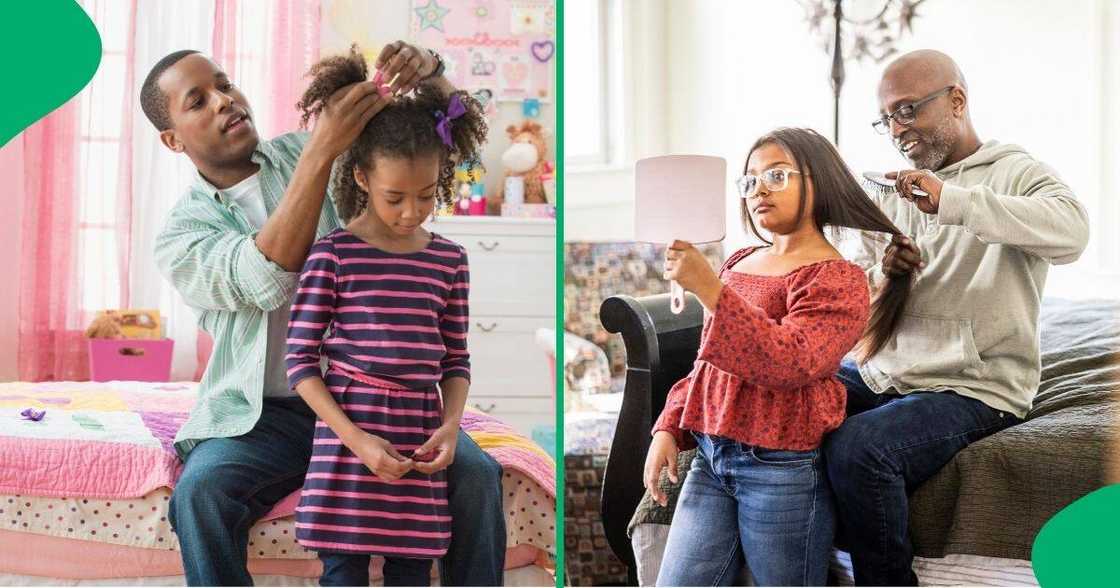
(487, 409)
(492, 246)
(486, 329)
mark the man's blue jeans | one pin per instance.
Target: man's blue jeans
(887, 447)
(229, 483)
(770, 509)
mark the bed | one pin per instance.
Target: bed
(975, 521)
(84, 491)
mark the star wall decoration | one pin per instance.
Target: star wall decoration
(431, 15)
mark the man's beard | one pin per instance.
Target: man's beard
(938, 145)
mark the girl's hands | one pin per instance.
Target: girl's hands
(379, 456)
(662, 454)
(685, 264)
(438, 451)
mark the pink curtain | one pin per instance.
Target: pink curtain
(124, 169)
(295, 33)
(224, 49)
(47, 172)
(293, 47)
(51, 344)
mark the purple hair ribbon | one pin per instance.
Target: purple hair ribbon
(33, 415)
(455, 109)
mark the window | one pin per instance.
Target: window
(589, 76)
(99, 150)
(104, 205)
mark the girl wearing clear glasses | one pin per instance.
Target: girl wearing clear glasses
(763, 392)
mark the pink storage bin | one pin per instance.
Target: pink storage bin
(137, 360)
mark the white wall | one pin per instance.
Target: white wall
(1041, 74)
(388, 22)
(598, 200)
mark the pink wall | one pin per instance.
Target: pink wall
(10, 221)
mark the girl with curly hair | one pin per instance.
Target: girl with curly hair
(386, 302)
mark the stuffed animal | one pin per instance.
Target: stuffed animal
(525, 158)
(106, 325)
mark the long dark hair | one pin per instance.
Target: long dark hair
(839, 201)
(404, 129)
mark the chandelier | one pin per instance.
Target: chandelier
(861, 30)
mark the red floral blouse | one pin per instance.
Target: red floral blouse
(766, 371)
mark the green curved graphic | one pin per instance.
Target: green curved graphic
(1080, 546)
(50, 50)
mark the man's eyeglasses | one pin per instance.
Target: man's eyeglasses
(905, 114)
(775, 179)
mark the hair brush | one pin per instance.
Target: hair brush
(885, 182)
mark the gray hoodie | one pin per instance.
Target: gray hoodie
(971, 322)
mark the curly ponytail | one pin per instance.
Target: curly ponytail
(404, 129)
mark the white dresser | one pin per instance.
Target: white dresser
(513, 293)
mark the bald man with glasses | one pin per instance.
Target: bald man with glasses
(964, 360)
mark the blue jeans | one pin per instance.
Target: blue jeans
(229, 483)
(886, 448)
(740, 504)
(346, 569)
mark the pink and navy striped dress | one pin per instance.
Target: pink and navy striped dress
(391, 326)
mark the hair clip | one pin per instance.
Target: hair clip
(31, 414)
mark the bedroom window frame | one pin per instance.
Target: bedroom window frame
(608, 115)
(98, 222)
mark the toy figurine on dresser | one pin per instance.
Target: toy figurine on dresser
(526, 165)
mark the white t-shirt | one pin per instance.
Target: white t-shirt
(250, 201)
(247, 194)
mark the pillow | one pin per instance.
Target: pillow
(587, 377)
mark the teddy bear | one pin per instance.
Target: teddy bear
(525, 158)
(106, 325)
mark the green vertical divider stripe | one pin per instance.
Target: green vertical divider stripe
(559, 293)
